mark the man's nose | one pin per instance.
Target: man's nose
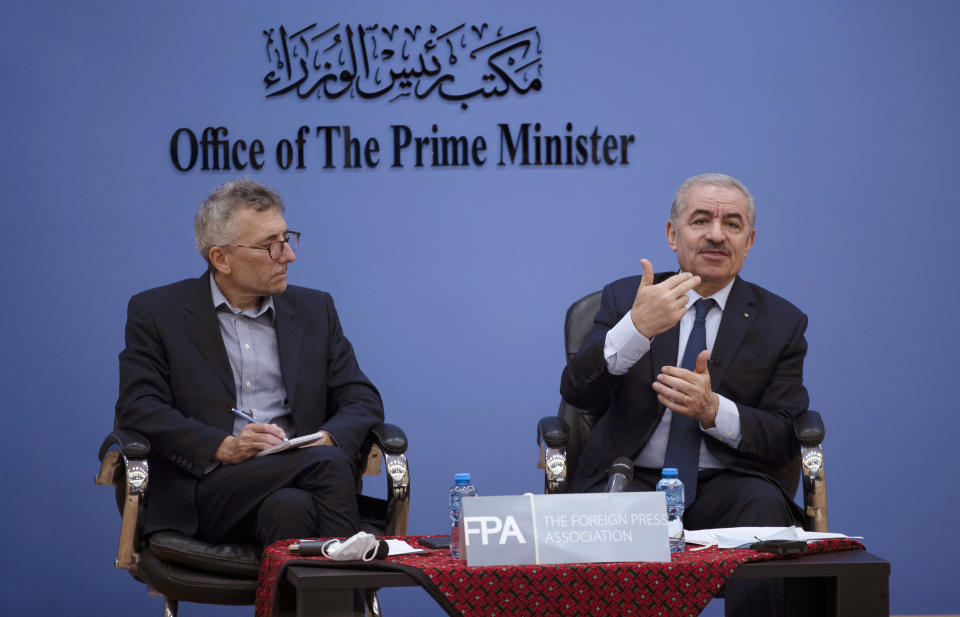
(715, 231)
(287, 255)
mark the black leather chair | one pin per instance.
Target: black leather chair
(182, 568)
(562, 437)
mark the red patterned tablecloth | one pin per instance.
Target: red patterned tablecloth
(682, 587)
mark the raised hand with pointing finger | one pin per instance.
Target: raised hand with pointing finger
(658, 307)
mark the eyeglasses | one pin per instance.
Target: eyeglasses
(275, 248)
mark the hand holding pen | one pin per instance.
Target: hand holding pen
(253, 438)
(247, 414)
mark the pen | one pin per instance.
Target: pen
(243, 414)
(248, 416)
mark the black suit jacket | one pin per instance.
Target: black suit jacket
(756, 362)
(177, 387)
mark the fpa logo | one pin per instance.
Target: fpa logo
(487, 526)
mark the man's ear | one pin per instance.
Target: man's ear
(218, 259)
(671, 236)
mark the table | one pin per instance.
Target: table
(840, 584)
(843, 584)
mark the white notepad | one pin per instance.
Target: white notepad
(296, 442)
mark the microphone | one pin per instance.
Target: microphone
(619, 475)
(363, 548)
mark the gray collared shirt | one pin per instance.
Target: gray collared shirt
(250, 338)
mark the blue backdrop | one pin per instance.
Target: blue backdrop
(452, 282)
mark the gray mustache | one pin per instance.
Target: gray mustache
(712, 246)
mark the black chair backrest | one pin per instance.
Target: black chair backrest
(579, 322)
(580, 422)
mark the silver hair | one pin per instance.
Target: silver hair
(715, 180)
(212, 225)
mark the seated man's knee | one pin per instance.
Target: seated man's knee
(765, 504)
(286, 513)
(329, 464)
(287, 499)
(734, 500)
(340, 461)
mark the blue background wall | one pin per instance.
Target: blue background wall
(452, 283)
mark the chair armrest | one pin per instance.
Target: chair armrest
(392, 442)
(132, 444)
(810, 432)
(553, 430)
(123, 465)
(390, 438)
(809, 429)
(552, 436)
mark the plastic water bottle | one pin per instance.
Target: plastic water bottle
(461, 488)
(672, 487)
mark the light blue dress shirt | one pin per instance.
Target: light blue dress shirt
(250, 338)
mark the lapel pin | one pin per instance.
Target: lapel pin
(746, 315)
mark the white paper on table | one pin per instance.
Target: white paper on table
(733, 537)
(399, 547)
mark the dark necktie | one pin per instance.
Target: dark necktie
(683, 445)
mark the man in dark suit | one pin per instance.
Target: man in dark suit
(219, 368)
(698, 370)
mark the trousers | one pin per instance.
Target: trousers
(301, 493)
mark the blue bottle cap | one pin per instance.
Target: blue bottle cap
(461, 478)
(670, 472)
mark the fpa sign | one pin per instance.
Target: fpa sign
(493, 529)
(540, 529)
